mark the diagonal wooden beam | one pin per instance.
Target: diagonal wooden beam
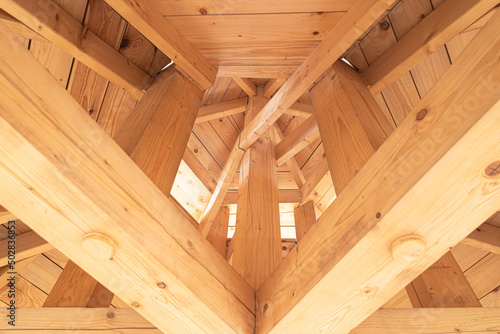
(27, 245)
(485, 237)
(218, 233)
(292, 164)
(247, 85)
(19, 28)
(430, 321)
(317, 177)
(144, 16)
(156, 132)
(441, 25)
(271, 86)
(303, 110)
(61, 29)
(300, 138)
(378, 208)
(6, 216)
(223, 109)
(85, 196)
(20, 265)
(358, 19)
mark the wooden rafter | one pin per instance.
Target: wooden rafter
(96, 191)
(448, 20)
(60, 28)
(147, 19)
(223, 109)
(350, 27)
(218, 233)
(247, 85)
(19, 28)
(292, 163)
(453, 120)
(303, 110)
(305, 217)
(28, 244)
(300, 138)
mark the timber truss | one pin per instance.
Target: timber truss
(405, 195)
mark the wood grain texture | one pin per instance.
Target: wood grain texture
(257, 245)
(305, 217)
(301, 137)
(218, 233)
(486, 237)
(350, 27)
(146, 18)
(353, 297)
(223, 109)
(81, 159)
(27, 245)
(156, 132)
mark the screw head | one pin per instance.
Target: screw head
(493, 169)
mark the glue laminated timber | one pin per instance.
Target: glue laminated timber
(344, 289)
(91, 191)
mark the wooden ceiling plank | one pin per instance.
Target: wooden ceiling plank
(27, 245)
(76, 288)
(305, 217)
(20, 265)
(222, 109)
(429, 321)
(156, 132)
(218, 233)
(148, 20)
(91, 191)
(336, 297)
(60, 28)
(359, 18)
(441, 25)
(305, 134)
(247, 85)
(257, 244)
(486, 237)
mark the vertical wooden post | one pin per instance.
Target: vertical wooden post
(305, 217)
(351, 123)
(257, 246)
(76, 288)
(442, 285)
(156, 133)
(218, 233)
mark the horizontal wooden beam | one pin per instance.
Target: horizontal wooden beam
(148, 20)
(369, 221)
(284, 196)
(76, 318)
(27, 245)
(486, 237)
(258, 72)
(61, 29)
(441, 25)
(223, 109)
(300, 138)
(84, 195)
(303, 110)
(431, 321)
(358, 19)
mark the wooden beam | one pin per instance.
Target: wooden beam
(92, 320)
(19, 28)
(76, 288)
(479, 23)
(247, 85)
(156, 132)
(303, 110)
(305, 217)
(27, 245)
(441, 25)
(271, 86)
(284, 196)
(358, 19)
(380, 204)
(257, 244)
(292, 164)
(6, 216)
(6, 271)
(223, 183)
(430, 321)
(158, 30)
(341, 100)
(300, 138)
(223, 109)
(218, 233)
(61, 29)
(97, 191)
(485, 237)
(316, 178)
(258, 72)
(442, 285)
